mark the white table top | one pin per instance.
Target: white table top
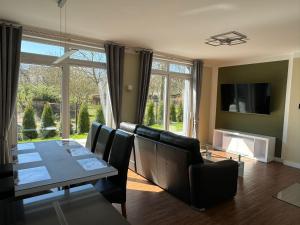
(44, 165)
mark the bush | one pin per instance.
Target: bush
(173, 113)
(150, 120)
(47, 122)
(29, 126)
(160, 117)
(99, 115)
(180, 112)
(84, 119)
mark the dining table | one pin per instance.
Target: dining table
(42, 166)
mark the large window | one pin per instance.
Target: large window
(39, 102)
(169, 98)
(60, 101)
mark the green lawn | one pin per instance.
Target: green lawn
(174, 126)
(73, 136)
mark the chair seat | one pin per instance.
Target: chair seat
(110, 191)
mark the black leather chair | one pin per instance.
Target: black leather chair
(104, 142)
(6, 181)
(92, 136)
(114, 188)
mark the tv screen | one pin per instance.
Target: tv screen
(246, 98)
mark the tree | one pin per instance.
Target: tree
(180, 112)
(150, 120)
(173, 113)
(84, 119)
(48, 128)
(160, 117)
(99, 115)
(29, 125)
(82, 87)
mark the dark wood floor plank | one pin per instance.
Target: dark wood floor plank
(254, 203)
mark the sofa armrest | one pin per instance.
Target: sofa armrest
(212, 182)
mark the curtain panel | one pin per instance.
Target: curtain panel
(10, 47)
(146, 57)
(197, 83)
(115, 69)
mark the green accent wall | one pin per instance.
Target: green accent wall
(271, 125)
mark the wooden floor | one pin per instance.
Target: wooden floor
(148, 204)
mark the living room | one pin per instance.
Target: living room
(206, 91)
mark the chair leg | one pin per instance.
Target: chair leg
(123, 207)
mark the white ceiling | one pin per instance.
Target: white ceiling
(177, 27)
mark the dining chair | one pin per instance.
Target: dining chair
(114, 188)
(104, 142)
(92, 136)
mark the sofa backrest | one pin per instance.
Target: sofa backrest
(148, 132)
(189, 144)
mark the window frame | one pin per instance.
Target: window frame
(169, 75)
(47, 60)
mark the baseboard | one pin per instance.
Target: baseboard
(292, 164)
(277, 159)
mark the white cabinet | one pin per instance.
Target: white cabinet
(256, 146)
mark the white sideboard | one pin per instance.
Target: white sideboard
(255, 146)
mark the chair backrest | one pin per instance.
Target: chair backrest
(104, 142)
(92, 136)
(119, 157)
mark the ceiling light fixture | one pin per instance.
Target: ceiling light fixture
(229, 38)
(71, 51)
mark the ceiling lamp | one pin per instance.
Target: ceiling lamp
(71, 51)
(229, 38)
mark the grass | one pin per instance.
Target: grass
(174, 126)
(72, 136)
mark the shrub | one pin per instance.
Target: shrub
(29, 126)
(47, 122)
(160, 117)
(99, 115)
(180, 112)
(150, 120)
(84, 119)
(173, 113)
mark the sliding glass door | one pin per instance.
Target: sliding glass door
(169, 98)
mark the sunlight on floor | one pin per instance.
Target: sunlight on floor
(138, 183)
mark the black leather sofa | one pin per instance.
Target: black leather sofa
(174, 163)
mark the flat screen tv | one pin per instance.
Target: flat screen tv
(246, 98)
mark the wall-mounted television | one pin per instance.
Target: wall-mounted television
(246, 98)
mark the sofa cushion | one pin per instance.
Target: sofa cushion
(148, 132)
(190, 144)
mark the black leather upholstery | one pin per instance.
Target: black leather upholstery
(190, 144)
(92, 136)
(212, 182)
(104, 142)
(174, 163)
(148, 132)
(6, 182)
(114, 188)
(130, 128)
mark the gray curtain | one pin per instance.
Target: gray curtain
(10, 46)
(115, 69)
(144, 80)
(197, 82)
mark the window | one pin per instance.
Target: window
(88, 55)
(88, 93)
(45, 109)
(41, 48)
(38, 102)
(169, 98)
